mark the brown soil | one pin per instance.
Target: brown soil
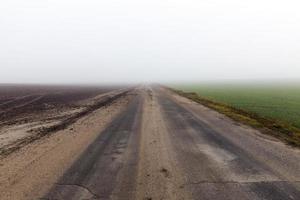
(28, 112)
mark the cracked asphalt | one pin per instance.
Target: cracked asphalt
(163, 146)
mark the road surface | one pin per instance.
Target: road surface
(163, 146)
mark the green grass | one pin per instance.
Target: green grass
(276, 107)
(271, 101)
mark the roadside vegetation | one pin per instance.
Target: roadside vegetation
(274, 109)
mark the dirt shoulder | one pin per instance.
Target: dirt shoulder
(31, 171)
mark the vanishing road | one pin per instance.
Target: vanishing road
(163, 146)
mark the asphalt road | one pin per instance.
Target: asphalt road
(163, 146)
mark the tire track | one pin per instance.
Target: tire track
(111, 159)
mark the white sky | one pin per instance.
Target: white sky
(95, 41)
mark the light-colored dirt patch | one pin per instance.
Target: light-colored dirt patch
(30, 172)
(17, 132)
(158, 176)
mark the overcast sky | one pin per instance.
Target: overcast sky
(95, 41)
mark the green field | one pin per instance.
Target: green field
(276, 101)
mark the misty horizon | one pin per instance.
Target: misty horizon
(92, 42)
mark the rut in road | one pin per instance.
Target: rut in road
(111, 159)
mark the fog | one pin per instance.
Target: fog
(92, 41)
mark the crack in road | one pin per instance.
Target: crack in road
(85, 188)
(236, 182)
(79, 185)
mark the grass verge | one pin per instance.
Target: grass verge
(281, 130)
